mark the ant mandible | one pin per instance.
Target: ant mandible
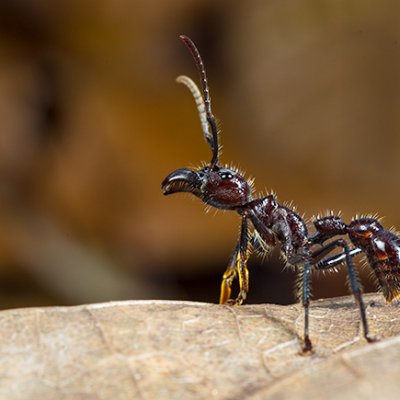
(274, 224)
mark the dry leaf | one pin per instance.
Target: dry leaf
(184, 350)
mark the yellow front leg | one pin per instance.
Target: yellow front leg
(226, 284)
(228, 278)
(234, 270)
(243, 273)
(237, 267)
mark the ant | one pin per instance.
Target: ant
(274, 224)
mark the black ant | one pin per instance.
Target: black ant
(275, 224)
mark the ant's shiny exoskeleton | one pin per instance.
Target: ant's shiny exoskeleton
(275, 224)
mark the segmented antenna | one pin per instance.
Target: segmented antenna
(200, 106)
(206, 97)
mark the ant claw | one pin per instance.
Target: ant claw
(232, 302)
(373, 339)
(307, 348)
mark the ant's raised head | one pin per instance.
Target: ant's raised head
(219, 187)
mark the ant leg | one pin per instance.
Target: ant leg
(336, 260)
(307, 347)
(241, 265)
(356, 289)
(354, 284)
(319, 262)
(228, 277)
(243, 272)
(237, 267)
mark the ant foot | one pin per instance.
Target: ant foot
(238, 301)
(307, 346)
(233, 302)
(372, 339)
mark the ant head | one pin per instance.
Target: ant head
(219, 187)
(222, 188)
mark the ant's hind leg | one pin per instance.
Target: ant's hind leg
(336, 260)
(352, 274)
(356, 289)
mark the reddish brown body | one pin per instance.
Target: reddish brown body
(277, 225)
(381, 248)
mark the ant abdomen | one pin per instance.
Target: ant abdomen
(380, 246)
(382, 250)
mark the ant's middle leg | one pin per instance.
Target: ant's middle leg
(237, 267)
(353, 278)
(305, 299)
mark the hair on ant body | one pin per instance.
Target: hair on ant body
(265, 224)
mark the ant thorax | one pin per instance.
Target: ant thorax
(278, 224)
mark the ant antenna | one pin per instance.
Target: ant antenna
(198, 98)
(213, 140)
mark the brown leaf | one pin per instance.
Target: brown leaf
(185, 350)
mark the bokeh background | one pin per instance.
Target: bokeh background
(91, 121)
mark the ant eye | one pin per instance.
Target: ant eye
(226, 175)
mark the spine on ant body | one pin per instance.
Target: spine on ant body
(381, 247)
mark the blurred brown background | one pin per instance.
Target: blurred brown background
(308, 95)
